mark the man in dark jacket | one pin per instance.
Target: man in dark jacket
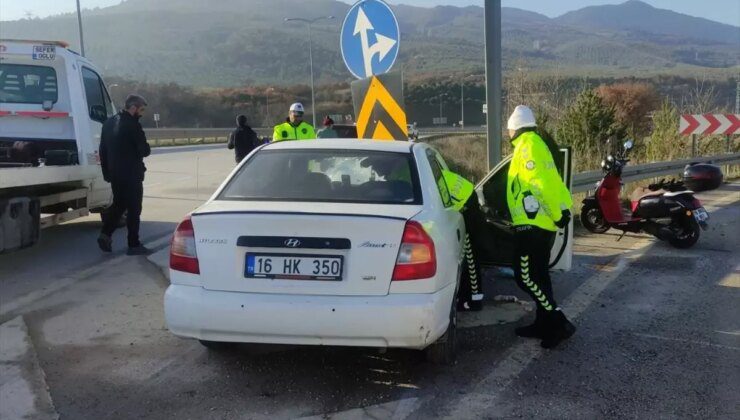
(123, 147)
(243, 139)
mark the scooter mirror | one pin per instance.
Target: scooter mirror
(628, 145)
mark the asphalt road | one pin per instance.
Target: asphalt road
(82, 334)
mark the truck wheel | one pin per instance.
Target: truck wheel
(444, 350)
(592, 219)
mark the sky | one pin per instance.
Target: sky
(725, 11)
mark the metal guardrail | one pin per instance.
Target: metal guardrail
(585, 181)
(197, 135)
(183, 136)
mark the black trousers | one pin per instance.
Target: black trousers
(471, 282)
(531, 266)
(127, 197)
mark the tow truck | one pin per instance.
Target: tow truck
(53, 103)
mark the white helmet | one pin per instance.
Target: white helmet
(297, 107)
(521, 117)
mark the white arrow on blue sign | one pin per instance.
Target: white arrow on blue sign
(369, 38)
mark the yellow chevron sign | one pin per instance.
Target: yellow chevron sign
(379, 107)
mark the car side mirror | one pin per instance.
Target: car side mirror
(98, 113)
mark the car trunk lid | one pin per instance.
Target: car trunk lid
(236, 240)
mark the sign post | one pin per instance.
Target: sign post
(378, 102)
(493, 80)
(369, 41)
(707, 125)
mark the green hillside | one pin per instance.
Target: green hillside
(233, 42)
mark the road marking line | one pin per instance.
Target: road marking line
(483, 397)
(395, 410)
(735, 333)
(730, 280)
(17, 303)
(24, 392)
(683, 340)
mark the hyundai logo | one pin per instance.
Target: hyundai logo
(292, 243)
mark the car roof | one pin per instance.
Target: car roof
(349, 144)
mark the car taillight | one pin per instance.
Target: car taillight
(417, 258)
(182, 248)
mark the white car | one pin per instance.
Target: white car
(337, 242)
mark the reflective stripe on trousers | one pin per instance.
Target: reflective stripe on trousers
(524, 265)
(471, 267)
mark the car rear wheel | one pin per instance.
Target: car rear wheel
(444, 350)
(216, 345)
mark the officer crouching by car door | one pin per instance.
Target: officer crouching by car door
(465, 201)
(539, 203)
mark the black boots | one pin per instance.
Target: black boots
(559, 329)
(105, 242)
(551, 327)
(535, 330)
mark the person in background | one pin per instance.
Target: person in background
(123, 147)
(328, 132)
(294, 128)
(243, 140)
(539, 203)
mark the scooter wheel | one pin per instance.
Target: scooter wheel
(687, 234)
(593, 220)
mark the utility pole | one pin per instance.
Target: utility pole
(79, 24)
(462, 105)
(492, 24)
(309, 22)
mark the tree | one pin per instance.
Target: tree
(633, 103)
(665, 143)
(587, 126)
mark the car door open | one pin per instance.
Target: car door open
(495, 246)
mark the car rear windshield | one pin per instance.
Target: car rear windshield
(24, 84)
(347, 176)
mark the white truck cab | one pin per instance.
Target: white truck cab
(53, 103)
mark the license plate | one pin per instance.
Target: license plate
(701, 215)
(294, 266)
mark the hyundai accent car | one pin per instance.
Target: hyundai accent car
(333, 242)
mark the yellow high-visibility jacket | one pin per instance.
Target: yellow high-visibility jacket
(286, 131)
(460, 189)
(535, 193)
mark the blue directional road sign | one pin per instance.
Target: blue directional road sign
(370, 38)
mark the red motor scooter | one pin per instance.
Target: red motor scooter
(666, 210)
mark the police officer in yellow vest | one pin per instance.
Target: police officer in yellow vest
(464, 200)
(539, 203)
(294, 128)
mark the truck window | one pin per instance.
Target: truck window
(25, 84)
(98, 102)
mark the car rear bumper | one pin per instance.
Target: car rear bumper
(396, 320)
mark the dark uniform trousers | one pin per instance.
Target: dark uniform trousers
(471, 281)
(532, 266)
(127, 197)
